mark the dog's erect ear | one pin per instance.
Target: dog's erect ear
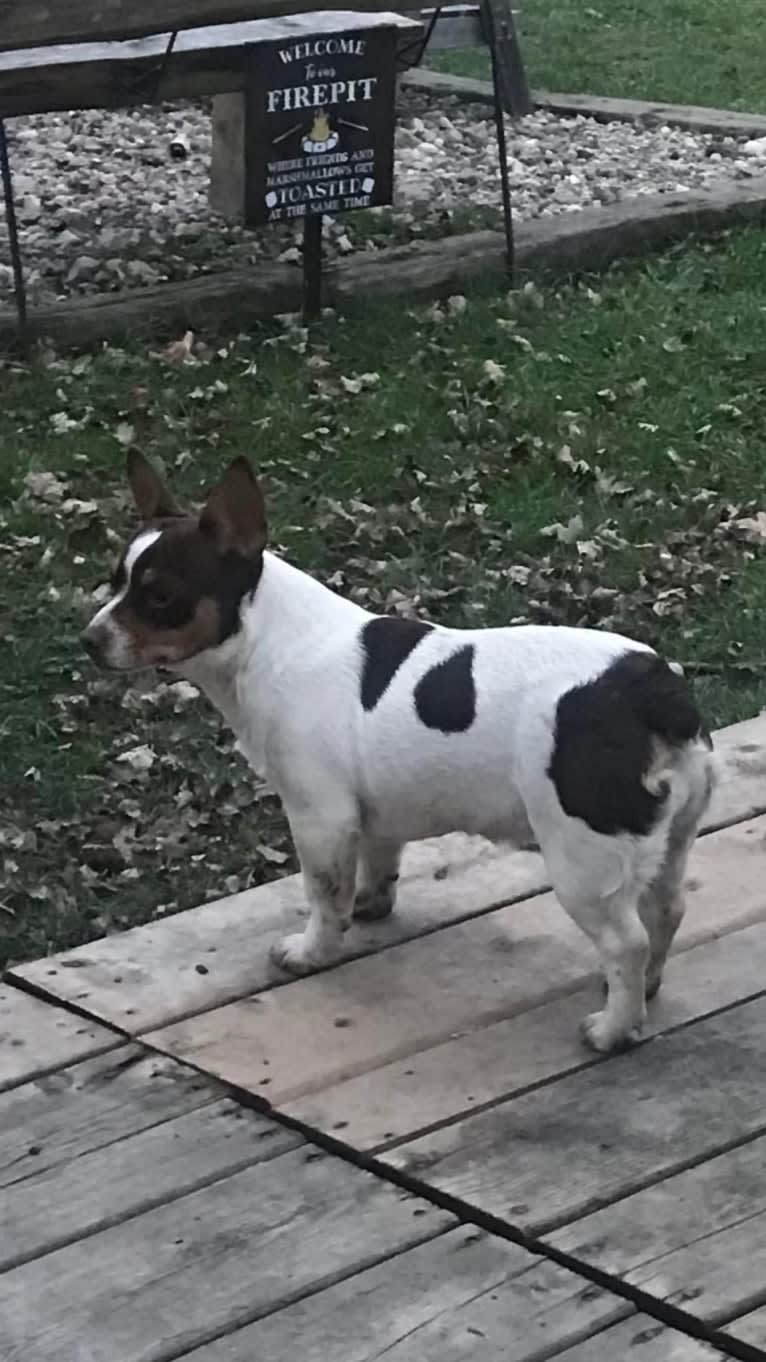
(235, 512)
(152, 498)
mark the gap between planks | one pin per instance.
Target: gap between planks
(582, 1312)
(39, 1036)
(384, 1174)
(700, 1235)
(665, 1313)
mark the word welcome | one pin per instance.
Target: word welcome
(323, 47)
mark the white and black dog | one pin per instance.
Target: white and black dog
(377, 731)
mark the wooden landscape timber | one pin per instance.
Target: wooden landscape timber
(42, 23)
(567, 244)
(104, 75)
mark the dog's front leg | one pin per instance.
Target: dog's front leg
(376, 879)
(328, 857)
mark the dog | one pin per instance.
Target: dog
(376, 731)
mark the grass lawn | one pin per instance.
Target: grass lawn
(576, 454)
(709, 52)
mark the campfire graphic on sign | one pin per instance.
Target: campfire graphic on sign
(321, 136)
(318, 139)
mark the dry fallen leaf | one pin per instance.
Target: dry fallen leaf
(566, 534)
(124, 434)
(493, 371)
(44, 487)
(177, 352)
(138, 758)
(751, 528)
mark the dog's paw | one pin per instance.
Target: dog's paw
(294, 955)
(373, 906)
(600, 1033)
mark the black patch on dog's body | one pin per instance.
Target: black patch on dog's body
(181, 569)
(603, 742)
(387, 642)
(445, 697)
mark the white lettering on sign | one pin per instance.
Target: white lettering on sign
(323, 47)
(321, 94)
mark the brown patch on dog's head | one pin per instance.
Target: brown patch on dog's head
(180, 584)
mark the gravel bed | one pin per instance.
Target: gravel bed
(113, 200)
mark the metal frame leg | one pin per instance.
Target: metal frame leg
(13, 232)
(419, 46)
(502, 148)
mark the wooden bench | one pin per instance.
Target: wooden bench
(115, 57)
(200, 62)
(210, 60)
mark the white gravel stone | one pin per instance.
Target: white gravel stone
(104, 204)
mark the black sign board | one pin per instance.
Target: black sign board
(320, 124)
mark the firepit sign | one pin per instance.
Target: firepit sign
(322, 124)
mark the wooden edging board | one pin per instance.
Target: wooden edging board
(645, 112)
(569, 243)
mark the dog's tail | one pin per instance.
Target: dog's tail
(683, 757)
(659, 695)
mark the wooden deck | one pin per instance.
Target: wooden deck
(410, 1156)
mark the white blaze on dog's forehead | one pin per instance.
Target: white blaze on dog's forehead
(140, 544)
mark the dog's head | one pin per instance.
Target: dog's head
(180, 583)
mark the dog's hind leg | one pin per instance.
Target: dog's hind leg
(376, 880)
(615, 927)
(328, 855)
(598, 881)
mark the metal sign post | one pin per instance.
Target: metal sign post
(13, 234)
(312, 266)
(502, 147)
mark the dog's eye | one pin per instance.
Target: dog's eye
(159, 595)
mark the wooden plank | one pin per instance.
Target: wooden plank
(316, 1031)
(320, 1031)
(203, 61)
(465, 1295)
(149, 977)
(646, 113)
(750, 1329)
(561, 244)
(43, 22)
(696, 1240)
(143, 978)
(457, 26)
(75, 1111)
(410, 1096)
(642, 1339)
(47, 1210)
(614, 1128)
(650, 113)
(741, 759)
(158, 1285)
(38, 1037)
(721, 1275)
